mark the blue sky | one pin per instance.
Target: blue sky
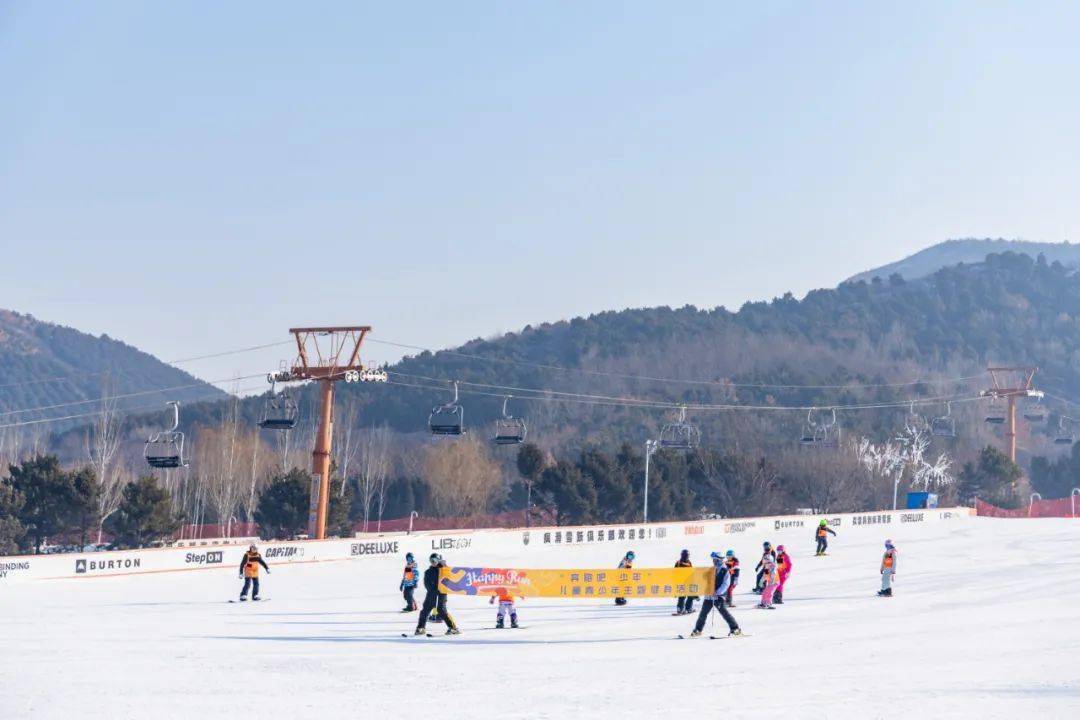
(194, 177)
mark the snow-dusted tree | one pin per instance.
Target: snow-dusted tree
(373, 466)
(905, 457)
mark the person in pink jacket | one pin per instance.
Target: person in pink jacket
(783, 567)
(771, 579)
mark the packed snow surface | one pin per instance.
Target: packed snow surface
(984, 624)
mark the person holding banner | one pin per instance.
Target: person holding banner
(685, 605)
(625, 564)
(435, 600)
(718, 599)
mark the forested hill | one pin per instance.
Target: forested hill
(970, 250)
(1010, 309)
(46, 364)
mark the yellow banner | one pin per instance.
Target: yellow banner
(579, 583)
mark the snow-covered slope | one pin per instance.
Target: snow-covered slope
(984, 624)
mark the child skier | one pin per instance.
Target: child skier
(249, 571)
(685, 606)
(823, 532)
(767, 549)
(771, 579)
(888, 569)
(717, 599)
(732, 563)
(625, 564)
(409, 579)
(435, 600)
(506, 605)
(783, 567)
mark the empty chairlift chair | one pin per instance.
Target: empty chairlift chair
(279, 412)
(680, 435)
(1035, 413)
(509, 430)
(1064, 434)
(995, 416)
(944, 425)
(448, 419)
(165, 449)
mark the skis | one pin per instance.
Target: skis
(409, 635)
(729, 637)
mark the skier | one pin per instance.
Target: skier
(685, 606)
(767, 550)
(409, 579)
(249, 571)
(771, 580)
(717, 599)
(732, 563)
(506, 605)
(823, 531)
(435, 600)
(783, 567)
(888, 569)
(625, 564)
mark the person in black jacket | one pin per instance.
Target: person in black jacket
(685, 605)
(435, 600)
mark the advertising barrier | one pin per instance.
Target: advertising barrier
(595, 582)
(543, 542)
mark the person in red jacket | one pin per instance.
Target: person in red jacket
(783, 566)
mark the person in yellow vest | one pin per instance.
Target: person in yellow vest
(888, 569)
(249, 570)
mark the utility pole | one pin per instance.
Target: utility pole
(320, 353)
(651, 447)
(1010, 390)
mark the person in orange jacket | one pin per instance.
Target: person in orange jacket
(506, 606)
(888, 569)
(822, 536)
(249, 570)
(783, 568)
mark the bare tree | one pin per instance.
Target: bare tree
(345, 441)
(462, 476)
(218, 455)
(102, 441)
(373, 467)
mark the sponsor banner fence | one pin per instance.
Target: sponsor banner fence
(596, 582)
(1057, 507)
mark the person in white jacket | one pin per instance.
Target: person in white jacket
(718, 599)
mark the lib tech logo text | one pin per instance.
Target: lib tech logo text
(88, 566)
(282, 553)
(450, 543)
(374, 548)
(212, 557)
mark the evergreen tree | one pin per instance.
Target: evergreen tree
(144, 515)
(992, 478)
(49, 497)
(283, 506)
(11, 530)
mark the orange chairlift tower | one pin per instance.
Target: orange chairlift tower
(326, 355)
(1010, 383)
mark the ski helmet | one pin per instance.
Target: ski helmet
(409, 556)
(685, 553)
(630, 554)
(716, 556)
(252, 547)
(823, 523)
(730, 553)
(766, 544)
(888, 544)
(779, 548)
(435, 558)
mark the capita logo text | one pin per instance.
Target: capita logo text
(283, 553)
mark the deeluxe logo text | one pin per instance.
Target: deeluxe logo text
(781, 524)
(282, 553)
(374, 548)
(911, 517)
(211, 557)
(83, 565)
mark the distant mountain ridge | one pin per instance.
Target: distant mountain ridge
(45, 364)
(969, 250)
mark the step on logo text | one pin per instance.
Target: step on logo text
(212, 557)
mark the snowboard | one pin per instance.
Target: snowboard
(260, 600)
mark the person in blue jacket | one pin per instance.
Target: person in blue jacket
(409, 579)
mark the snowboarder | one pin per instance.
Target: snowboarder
(888, 569)
(685, 605)
(767, 549)
(506, 606)
(783, 567)
(822, 534)
(435, 600)
(625, 564)
(409, 579)
(771, 580)
(718, 599)
(732, 563)
(249, 571)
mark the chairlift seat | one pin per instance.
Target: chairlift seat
(509, 431)
(165, 450)
(447, 420)
(995, 419)
(1036, 417)
(679, 436)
